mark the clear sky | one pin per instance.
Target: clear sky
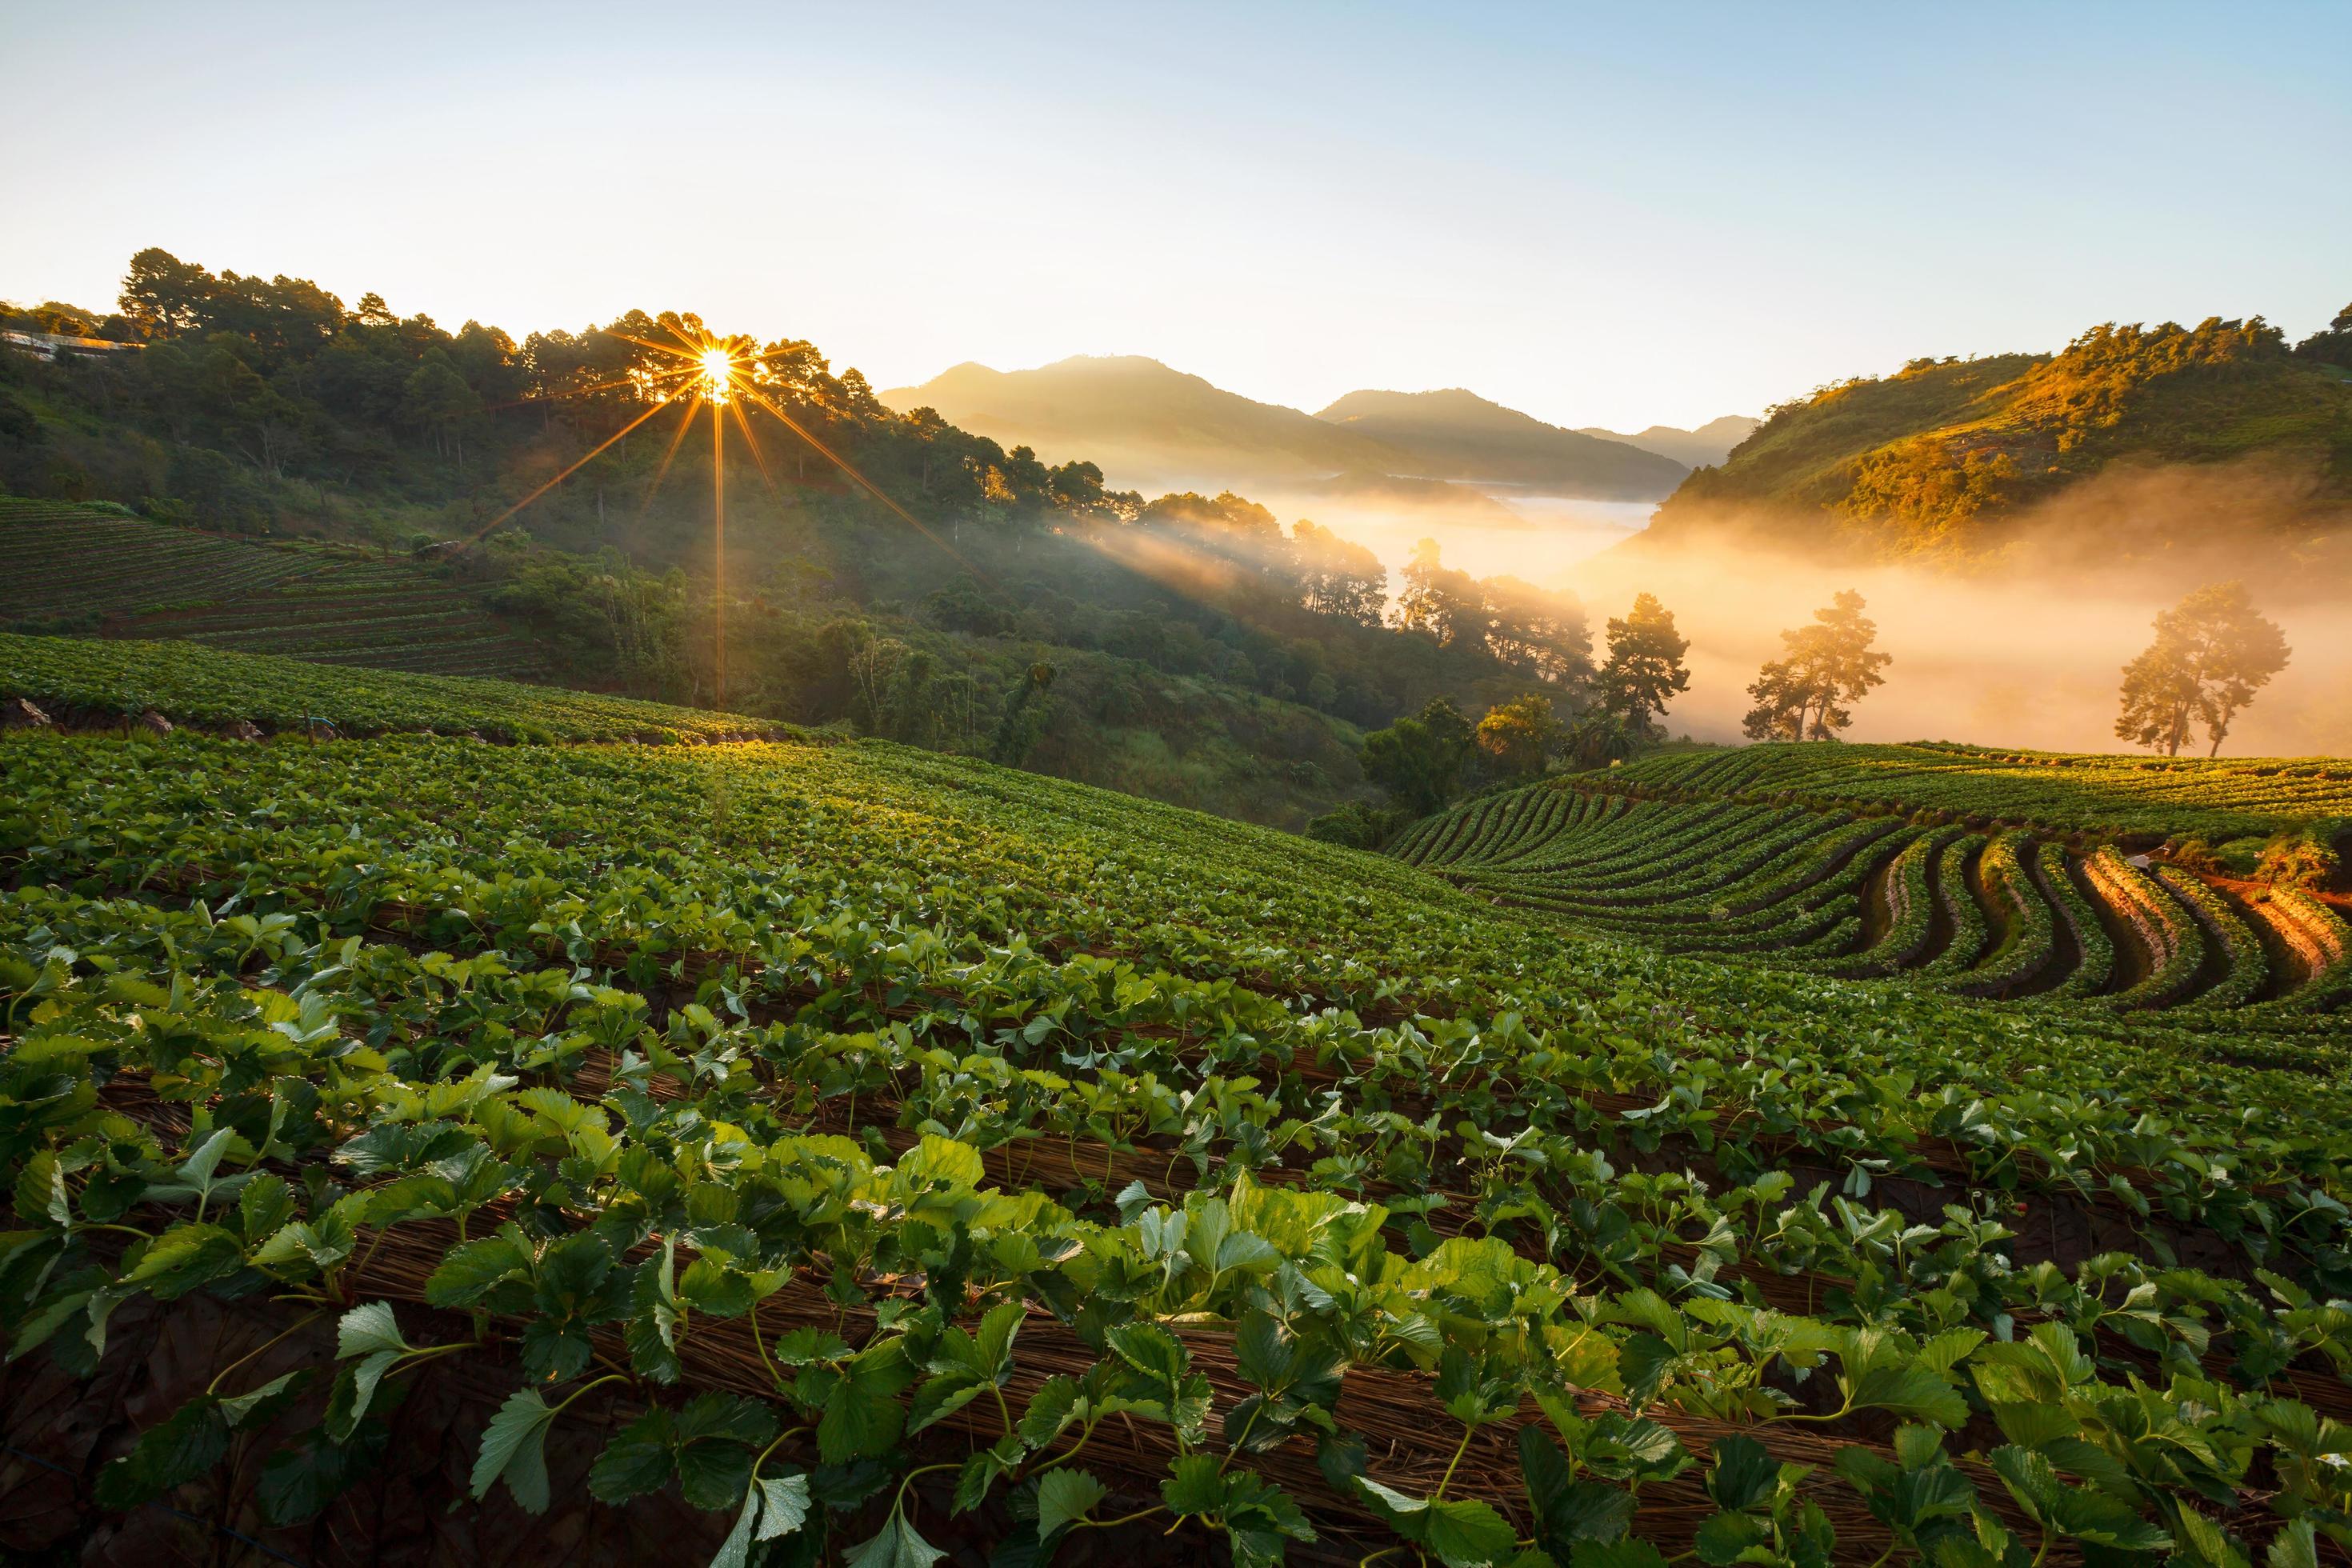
(1613, 215)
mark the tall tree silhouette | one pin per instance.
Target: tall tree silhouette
(1828, 663)
(1645, 669)
(2212, 652)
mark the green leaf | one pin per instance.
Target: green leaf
(942, 1396)
(264, 1206)
(717, 1290)
(237, 1408)
(2029, 1479)
(571, 1270)
(784, 1505)
(470, 1270)
(42, 1196)
(2296, 1546)
(1744, 1474)
(998, 1329)
(635, 1461)
(1194, 1486)
(736, 1550)
(1911, 1391)
(1627, 1554)
(1245, 1251)
(514, 1446)
(1262, 1352)
(2105, 1520)
(183, 1445)
(1468, 1533)
(897, 1547)
(937, 1159)
(355, 1387)
(197, 1169)
(306, 1474)
(1722, 1539)
(862, 1414)
(183, 1257)
(368, 1329)
(711, 1203)
(712, 1475)
(1050, 1409)
(1066, 1496)
(984, 1470)
(1151, 1350)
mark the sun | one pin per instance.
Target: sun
(718, 374)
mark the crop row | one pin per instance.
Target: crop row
(2162, 799)
(1977, 914)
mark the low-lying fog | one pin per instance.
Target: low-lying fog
(1523, 535)
(2004, 664)
(2029, 654)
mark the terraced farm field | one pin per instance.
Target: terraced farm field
(122, 577)
(2148, 798)
(99, 682)
(1990, 912)
(851, 1154)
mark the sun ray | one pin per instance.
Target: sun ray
(661, 471)
(847, 468)
(758, 456)
(635, 379)
(717, 555)
(481, 533)
(656, 347)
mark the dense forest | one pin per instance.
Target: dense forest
(891, 572)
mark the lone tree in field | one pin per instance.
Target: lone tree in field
(2212, 652)
(1645, 666)
(1828, 663)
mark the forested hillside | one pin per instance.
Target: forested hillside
(1957, 461)
(890, 572)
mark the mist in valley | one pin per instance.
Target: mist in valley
(2022, 640)
(2021, 643)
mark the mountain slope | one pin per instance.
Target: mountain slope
(1711, 443)
(1457, 434)
(1957, 461)
(1145, 423)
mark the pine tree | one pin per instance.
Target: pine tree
(1645, 666)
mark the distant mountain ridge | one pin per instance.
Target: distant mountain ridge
(1152, 426)
(1705, 446)
(1147, 425)
(1457, 434)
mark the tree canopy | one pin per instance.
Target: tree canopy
(1830, 663)
(1418, 759)
(1644, 670)
(2212, 652)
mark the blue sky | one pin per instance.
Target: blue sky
(1604, 216)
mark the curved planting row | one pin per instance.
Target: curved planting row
(2005, 916)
